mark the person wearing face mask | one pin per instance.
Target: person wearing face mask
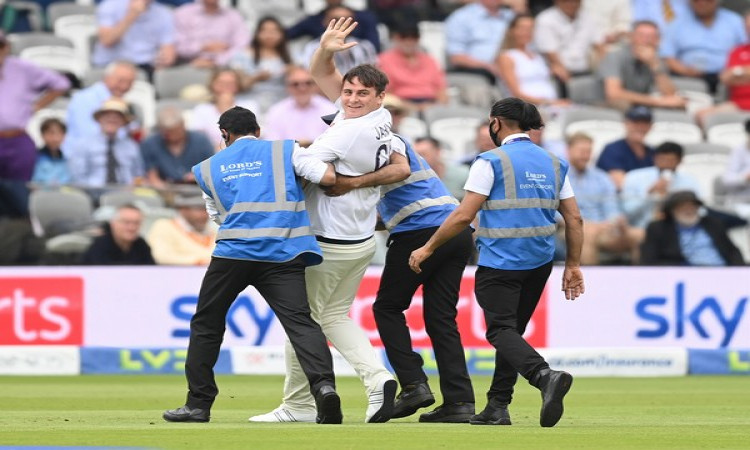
(518, 187)
(685, 237)
(645, 189)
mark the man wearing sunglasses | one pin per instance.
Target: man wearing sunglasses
(298, 116)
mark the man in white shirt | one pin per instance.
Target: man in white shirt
(565, 35)
(357, 143)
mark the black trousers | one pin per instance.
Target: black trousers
(441, 279)
(509, 298)
(283, 287)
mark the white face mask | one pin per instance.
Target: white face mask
(687, 220)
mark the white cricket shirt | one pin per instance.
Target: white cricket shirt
(355, 147)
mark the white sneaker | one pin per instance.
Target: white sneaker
(380, 407)
(282, 414)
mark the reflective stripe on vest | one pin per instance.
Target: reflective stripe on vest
(280, 203)
(522, 203)
(209, 180)
(279, 181)
(411, 208)
(511, 201)
(419, 175)
(238, 233)
(501, 233)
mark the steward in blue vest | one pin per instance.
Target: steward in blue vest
(518, 187)
(420, 201)
(412, 210)
(517, 221)
(264, 240)
(259, 203)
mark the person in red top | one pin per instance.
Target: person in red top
(414, 75)
(736, 76)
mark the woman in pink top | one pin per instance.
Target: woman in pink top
(414, 76)
(523, 71)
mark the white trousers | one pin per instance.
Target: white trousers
(331, 288)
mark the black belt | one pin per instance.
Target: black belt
(341, 241)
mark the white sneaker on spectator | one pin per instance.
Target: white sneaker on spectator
(380, 407)
(283, 414)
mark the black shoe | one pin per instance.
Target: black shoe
(411, 398)
(554, 384)
(495, 413)
(329, 406)
(449, 413)
(187, 414)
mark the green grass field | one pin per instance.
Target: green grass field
(678, 413)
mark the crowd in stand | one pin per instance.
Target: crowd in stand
(635, 52)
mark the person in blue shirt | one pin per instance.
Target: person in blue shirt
(314, 25)
(51, 167)
(139, 31)
(619, 157)
(117, 80)
(698, 42)
(173, 150)
(644, 189)
(473, 34)
(264, 240)
(605, 226)
(518, 187)
(684, 237)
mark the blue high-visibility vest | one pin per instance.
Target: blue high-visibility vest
(517, 221)
(420, 201)
(260, 203)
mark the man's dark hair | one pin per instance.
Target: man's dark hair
(405, 30)
(282, 48)
(670, 147)
(240, 121)
(339, 5)
(52, 122)
(519, 111)
(369, 75)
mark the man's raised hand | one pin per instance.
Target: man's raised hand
(334, 38)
